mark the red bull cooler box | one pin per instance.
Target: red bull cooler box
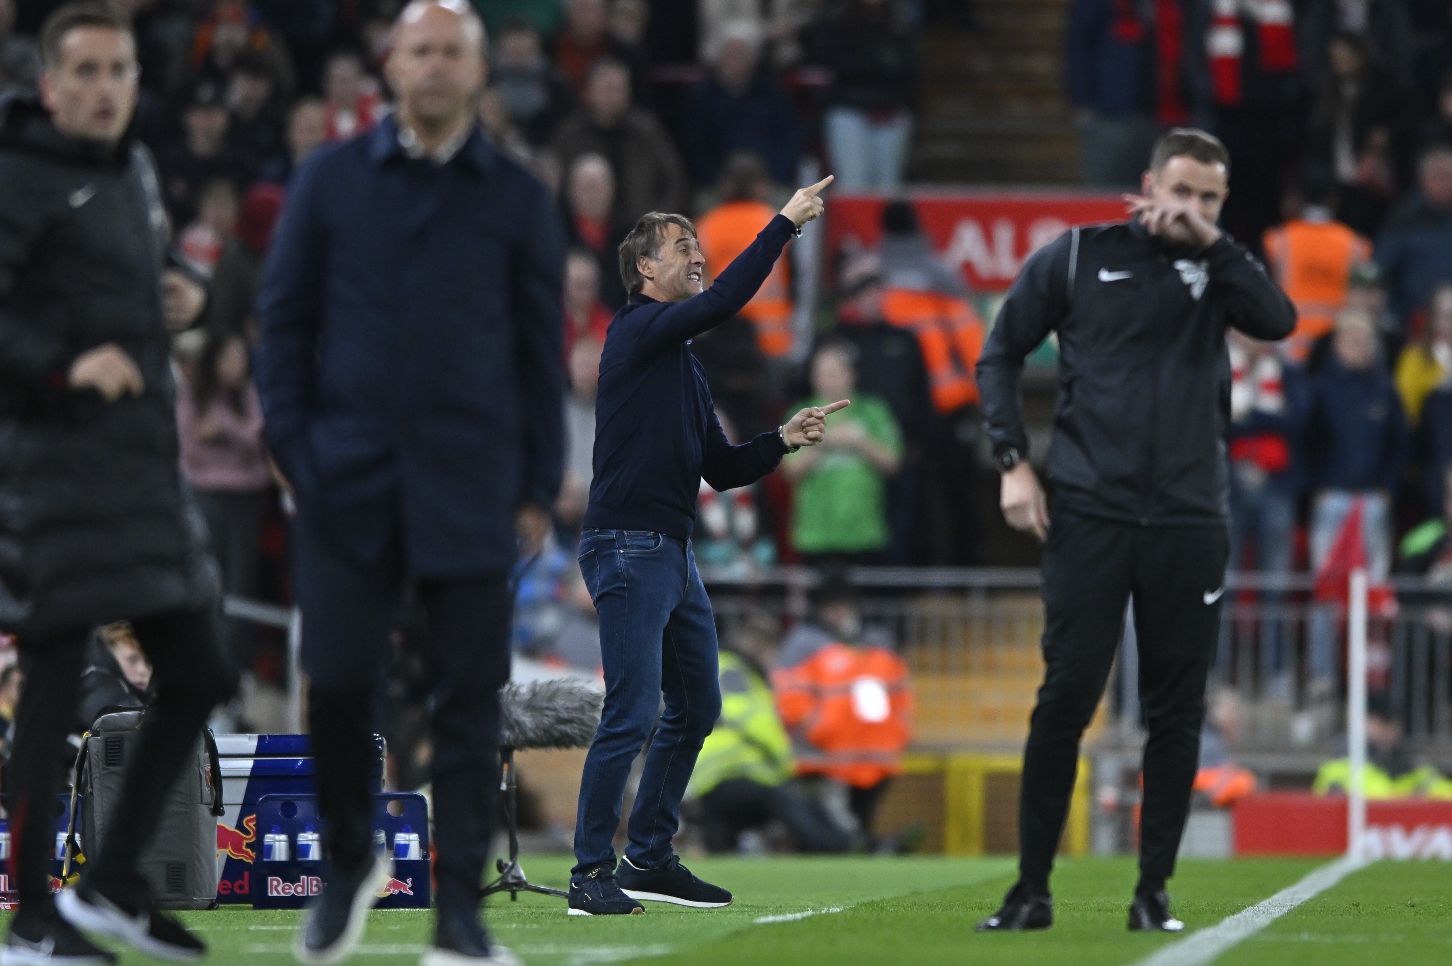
(290, 866)
(253, 767)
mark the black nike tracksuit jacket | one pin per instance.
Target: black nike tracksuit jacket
(1138, 474)
(1144, 378)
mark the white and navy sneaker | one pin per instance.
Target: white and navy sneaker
(1150, 912)
(130, 916)
(598, 894)
(50, 941)
(671, 882)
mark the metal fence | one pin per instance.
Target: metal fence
(971, 638)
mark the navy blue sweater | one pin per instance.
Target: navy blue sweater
(656, 431)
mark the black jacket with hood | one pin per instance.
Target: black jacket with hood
(95, 524)
(1144, 374)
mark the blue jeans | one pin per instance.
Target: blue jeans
(865, 155)
(657, 636)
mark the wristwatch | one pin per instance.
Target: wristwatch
(1007, 458)
(781, 435)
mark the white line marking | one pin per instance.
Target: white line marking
(1204, 946)
(795, 916)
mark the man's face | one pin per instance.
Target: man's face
(1185, 182)
(437, 66)
(90, 90)
(608, 94)
(676, 268)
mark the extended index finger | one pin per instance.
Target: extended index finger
(817, 188)
(833, 407)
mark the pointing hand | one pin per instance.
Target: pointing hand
(809, 427)
(807, 204)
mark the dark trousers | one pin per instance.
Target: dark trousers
(190, 675)
(1091, 568)
(657, 637)
(738, 804)
(348, 615)
(234, 522)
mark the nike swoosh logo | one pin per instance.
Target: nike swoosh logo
(1211, 596)
(1105, 275)
(82, 195)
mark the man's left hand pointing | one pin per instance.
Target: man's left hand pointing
(809, 427)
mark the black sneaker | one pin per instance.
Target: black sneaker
(126, 912)
(335, 921)
(1150, 912)
(671, 882)
(50, 941)
(460, 940)
(1021, 910)
(598, 894)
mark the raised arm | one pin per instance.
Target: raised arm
(1255, 304)
(740, 281)
(289, 314)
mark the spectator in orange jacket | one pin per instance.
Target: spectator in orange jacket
(849, 710)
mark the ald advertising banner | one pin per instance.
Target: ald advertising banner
(985, 235)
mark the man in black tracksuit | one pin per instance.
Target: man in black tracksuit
(1138, 472)
(95, 522)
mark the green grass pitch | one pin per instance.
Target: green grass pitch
(917, 910)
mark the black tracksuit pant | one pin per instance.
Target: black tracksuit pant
(190, 675)
(1091, 568)
(348, 615)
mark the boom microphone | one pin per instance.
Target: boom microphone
(560, 713)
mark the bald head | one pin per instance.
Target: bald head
(437, 66)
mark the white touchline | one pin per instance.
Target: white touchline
(795, 916)
(1204, 946)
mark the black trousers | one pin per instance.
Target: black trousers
(1091, 568)
(190, 675)
(348, 615)
(738, 804)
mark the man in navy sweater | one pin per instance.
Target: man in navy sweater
(656, 436)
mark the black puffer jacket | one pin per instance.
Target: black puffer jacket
(1144, 376)
(94, 523)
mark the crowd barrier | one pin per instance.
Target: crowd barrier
(971, 639)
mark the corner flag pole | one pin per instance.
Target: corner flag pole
(1356, 714)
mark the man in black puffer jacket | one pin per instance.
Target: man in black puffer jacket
(94, 523)
(1137, 467)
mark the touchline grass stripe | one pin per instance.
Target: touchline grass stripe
(1205, 946)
